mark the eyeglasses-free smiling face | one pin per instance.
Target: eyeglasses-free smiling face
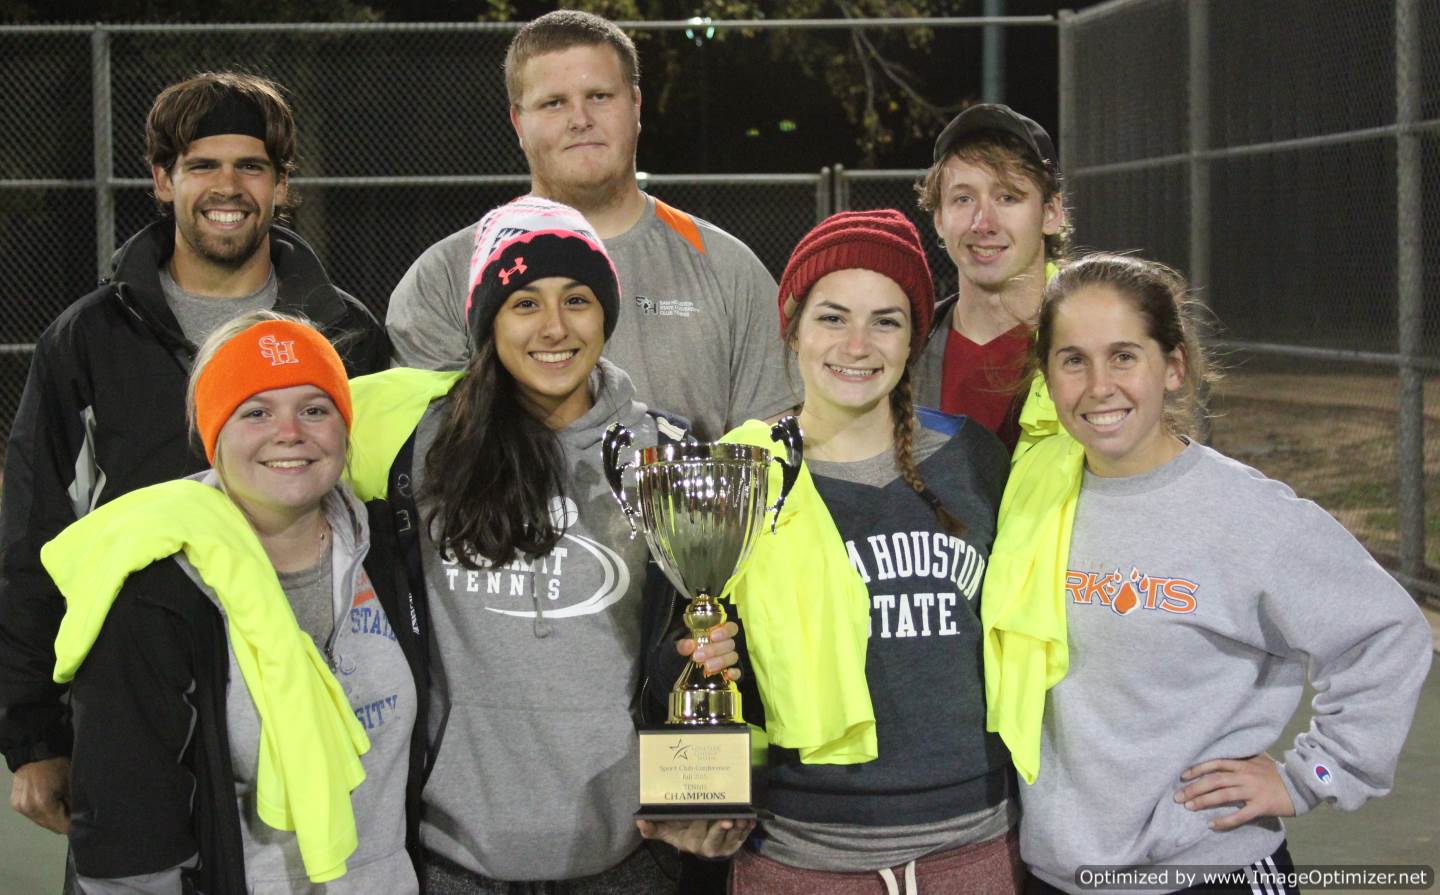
(281, 452)
(548, 336)
(224, 190)
(1108, 379)
(852, 341)
(994, 227)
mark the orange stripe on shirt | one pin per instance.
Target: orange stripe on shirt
(365, 588)
(681, 223)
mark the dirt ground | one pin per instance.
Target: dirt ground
(1332, 436)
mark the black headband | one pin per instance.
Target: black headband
(232, 115)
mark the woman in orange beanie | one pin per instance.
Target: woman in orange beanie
(244, 710)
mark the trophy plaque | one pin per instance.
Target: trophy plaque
(701, 506)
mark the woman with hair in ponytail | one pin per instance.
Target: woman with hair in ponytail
(881, 775)
(534, 585)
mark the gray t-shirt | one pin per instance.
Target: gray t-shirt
(879, 470)
(200, 315)
(698, 331)
(309, 592)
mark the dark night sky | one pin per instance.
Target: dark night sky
(744, 91)
(725, 108)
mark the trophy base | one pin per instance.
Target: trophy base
(689, 773)
(704, 707)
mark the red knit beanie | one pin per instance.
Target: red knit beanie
(882, 240)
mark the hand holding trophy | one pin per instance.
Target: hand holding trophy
(701, 506)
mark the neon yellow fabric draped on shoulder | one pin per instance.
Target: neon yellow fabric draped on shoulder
(807, 624)
(387, 406)
(310, 740)
(1022, 609)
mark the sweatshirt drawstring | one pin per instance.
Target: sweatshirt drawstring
(893, 887)
(541, 626)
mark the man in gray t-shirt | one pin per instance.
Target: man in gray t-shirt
(697, 330)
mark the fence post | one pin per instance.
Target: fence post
(104, 150)
(1198, 39)
(992, 54)
(841, 194)
(824, 195)
(1066, 42)
(1409, 195)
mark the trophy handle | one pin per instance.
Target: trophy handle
(616, 438)
(787, 432)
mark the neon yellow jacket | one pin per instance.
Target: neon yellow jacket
(310, 740)
(1022, 609)
(807, 624)
(386, 408)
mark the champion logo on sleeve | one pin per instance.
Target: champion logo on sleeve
(1322, 774)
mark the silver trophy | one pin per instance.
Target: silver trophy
(702, 505)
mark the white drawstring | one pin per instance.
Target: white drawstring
(892, 886)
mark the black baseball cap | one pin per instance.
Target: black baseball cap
(996, 117)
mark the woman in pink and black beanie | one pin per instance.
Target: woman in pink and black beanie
(875, 577)
(533, 585)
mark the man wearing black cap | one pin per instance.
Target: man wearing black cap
(994, 193)
(103, 411)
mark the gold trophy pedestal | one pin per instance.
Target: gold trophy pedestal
(697, 766)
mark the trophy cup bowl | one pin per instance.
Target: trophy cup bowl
(701, 506)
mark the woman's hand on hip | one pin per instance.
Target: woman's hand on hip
(1253, 783)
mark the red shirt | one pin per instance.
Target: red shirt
(981, 381)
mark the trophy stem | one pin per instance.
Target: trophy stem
(699, 698)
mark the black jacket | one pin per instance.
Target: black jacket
(162, 652)
(103, 413)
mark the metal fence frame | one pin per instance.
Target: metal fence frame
(104, 183)
(1406, 131)
(832, 184)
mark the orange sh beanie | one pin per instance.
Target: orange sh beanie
(269, 355)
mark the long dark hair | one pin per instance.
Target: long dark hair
(494, 471)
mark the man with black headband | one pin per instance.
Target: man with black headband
(103, 411)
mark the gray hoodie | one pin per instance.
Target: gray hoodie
(536, 773)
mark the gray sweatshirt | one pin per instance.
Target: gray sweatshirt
(1197, 596)
(537, 772)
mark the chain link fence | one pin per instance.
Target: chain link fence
(404, 138)
(1287, 157)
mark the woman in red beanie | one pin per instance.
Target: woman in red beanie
(245, 711)
(928, 804)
